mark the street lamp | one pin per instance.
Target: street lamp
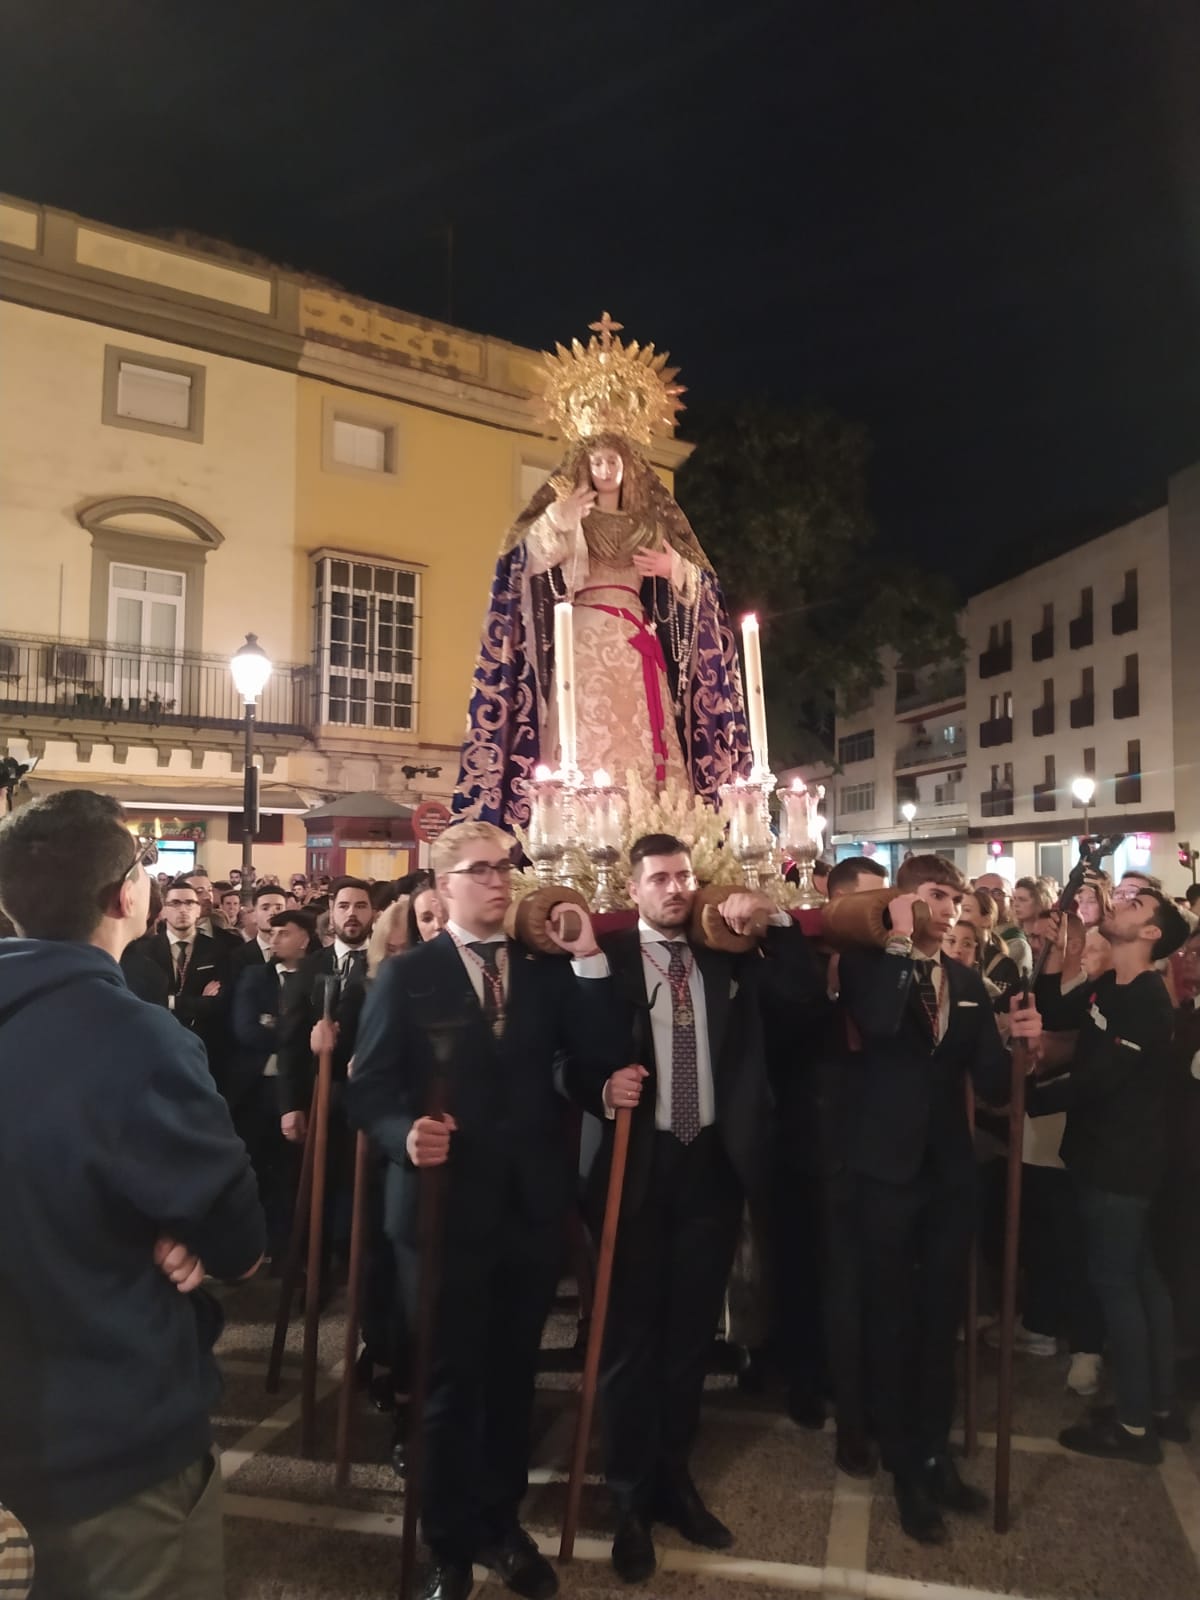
(908, 811)
(1084, 789)
(251, 667)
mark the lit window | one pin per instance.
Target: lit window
(366, 644)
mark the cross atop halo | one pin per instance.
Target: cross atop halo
(606, 327)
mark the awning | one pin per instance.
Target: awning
(177, 794)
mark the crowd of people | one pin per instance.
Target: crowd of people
(160, 1037)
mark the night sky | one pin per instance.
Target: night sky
(972, 226)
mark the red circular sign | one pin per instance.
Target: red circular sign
(430, 820)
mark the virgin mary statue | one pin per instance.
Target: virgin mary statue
(657, 685)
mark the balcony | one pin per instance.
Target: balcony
(929, 688)
(933, 811)
(998, 730)
(76, 680)
(1125, 615)
(1128, 789)
(1042, 644)
(1044, 797)
(1081, 631)
(1126, 700)
(993, 662)
(996, 802)
(1083, 711)
(930, 752)
(1043, 721)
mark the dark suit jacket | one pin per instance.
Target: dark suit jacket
(207, 1016)
(510, 1147)
(248, 954)
(257, 994)
(305, 1003)
(738, 990)
(905, 1098)
(143, 974)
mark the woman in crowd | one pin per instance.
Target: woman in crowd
(995, 963)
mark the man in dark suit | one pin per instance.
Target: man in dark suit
(924, 1025)
(699, 1142)
(490, 1112)
(260, 994)
(268, 902)
(211, 922)
(196, 967)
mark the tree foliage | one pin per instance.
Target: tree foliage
(777, 497)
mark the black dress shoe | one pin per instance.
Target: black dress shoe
(397, 1452)
(919, 1517)
(447, 1580)
(806, 1409)
(1107, 1439)
(946, 1488)
(854, 1455)
(679, 1505)
(519, 1564)
(633, 1555)
(1170, 1425)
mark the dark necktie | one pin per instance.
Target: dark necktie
(923, 973)
(685, 1081)
(493, 984)
(354, 966)
(181, 962)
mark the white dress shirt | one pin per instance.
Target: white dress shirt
(662, 1026)
(584, 967)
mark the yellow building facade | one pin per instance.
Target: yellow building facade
(194, 447)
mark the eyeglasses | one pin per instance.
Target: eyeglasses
(485, 871)
(173, 905)
(146, 856)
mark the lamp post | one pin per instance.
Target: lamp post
(1084, 790)
(908, 811)
(251, 667)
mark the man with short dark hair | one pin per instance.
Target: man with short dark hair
(692, 1018)
(922, 1025)
(196, 967)
(121, 1182)
(211, 921)
(1117, 1047)
(855, 875)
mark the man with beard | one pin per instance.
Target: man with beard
(699, 1142)
(923, 1024)
(304, 1030)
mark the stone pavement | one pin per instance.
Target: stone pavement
(1082, 1529)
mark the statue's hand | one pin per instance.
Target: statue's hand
(568, 512)
(653, 563)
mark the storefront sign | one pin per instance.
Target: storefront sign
(430, 820)
(176, 828)
(320, 841)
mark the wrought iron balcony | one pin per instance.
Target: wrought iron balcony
(79, 680)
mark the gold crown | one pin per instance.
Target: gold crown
(611, 387)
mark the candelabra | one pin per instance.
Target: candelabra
(547, 825)
(803, 827)
(604, 818)
(745, 805)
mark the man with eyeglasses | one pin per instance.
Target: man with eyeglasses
(494, 1118)
(196, 967)
(121, 1183)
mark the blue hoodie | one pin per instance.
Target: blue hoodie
(111, 1132)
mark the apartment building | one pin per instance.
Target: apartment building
(1085, 666)
(195, 446)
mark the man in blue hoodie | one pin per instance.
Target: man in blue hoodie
(121, 1183)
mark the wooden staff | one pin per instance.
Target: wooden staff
(319, 1134)
(971, 1320)
(431, 1212)
(591, 1364)
(358, 1228)
(1008, 1298)
(290, 1280)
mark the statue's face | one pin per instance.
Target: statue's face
(607, 469)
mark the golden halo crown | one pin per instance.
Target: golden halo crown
(607, 386)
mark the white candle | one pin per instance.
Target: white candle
(564, 673)
(756, 706)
